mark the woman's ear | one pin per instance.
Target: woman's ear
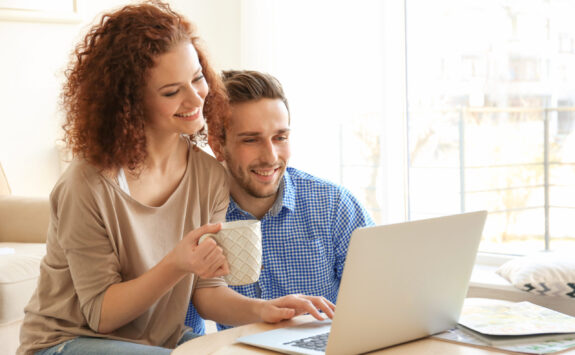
(216, 146)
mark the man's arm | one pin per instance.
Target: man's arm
(348, 216)
(226, 306)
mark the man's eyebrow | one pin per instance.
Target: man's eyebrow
(248, 134)
(254, 134)
(179, 83)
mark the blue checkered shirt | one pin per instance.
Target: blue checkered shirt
(305, 236)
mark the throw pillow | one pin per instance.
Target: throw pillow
(544, 274)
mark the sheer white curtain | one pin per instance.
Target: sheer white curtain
(342, 67)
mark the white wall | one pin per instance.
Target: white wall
(32, 58)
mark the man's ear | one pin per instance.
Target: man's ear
(216, 146)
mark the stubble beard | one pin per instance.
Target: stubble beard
(244, 182)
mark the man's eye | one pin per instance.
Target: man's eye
(282, 138)
(250, 140)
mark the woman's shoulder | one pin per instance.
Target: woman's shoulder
(80, 178)
(204, 160)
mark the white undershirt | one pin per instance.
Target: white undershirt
(123, 182)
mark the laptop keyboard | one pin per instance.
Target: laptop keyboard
(317, 342)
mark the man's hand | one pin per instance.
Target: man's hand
(287, 307)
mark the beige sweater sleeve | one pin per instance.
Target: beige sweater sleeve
(218, 211)
(92, 261)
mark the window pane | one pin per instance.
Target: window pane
(562, 231)
(514, 232)
(491, 119)
(331, 68)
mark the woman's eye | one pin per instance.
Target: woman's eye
(172, 93)
(198, 79)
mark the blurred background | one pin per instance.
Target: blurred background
(420, 108)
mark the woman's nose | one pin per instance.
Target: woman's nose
(194, 96)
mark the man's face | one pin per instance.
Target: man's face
(256, 150)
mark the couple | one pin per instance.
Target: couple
(122, 248)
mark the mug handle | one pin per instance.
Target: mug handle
(203, 237)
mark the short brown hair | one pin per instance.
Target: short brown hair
(248, 85)
(103, 92)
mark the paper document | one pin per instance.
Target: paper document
(498, 322)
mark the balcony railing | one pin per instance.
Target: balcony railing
(469, 140)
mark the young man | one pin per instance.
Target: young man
(306, 221)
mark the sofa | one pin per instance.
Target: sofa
(23, 227)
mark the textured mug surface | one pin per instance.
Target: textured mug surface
(241, 242)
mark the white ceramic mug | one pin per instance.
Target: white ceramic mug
(241, 242)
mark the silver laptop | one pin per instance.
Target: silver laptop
(400, 282)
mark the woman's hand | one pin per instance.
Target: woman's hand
(119, 305)
(205, 259)
(287, 307)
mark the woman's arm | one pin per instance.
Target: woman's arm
(125, 301)
(226, 306)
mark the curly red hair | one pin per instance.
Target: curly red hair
(103, 93)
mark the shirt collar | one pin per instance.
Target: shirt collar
(285, 198)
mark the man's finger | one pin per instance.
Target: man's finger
(305, 305)
(325, 306)
(313, 303)
(287, 313)
(313, 311)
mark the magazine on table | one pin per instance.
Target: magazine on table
(514, 326)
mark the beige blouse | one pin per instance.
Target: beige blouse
(99, 235)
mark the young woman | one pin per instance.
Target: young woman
(122, 249)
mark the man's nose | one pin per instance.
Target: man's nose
(269, 152)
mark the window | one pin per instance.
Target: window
(344, 86)
(426, 108)
(490, 117)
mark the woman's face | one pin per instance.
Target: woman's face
(175, 92)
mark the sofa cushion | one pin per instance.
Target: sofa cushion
(20, 265)
(24, 219)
